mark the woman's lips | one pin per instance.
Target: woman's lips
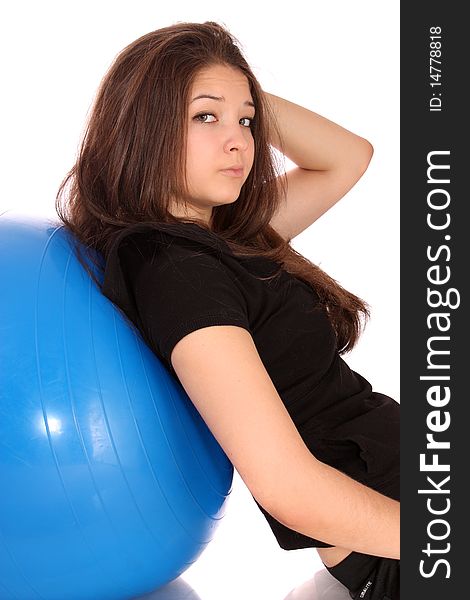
(233, 172)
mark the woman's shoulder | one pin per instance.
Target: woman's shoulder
(179, 251)
(160, 245)
(152, 250)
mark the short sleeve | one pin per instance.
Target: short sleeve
(177, 288)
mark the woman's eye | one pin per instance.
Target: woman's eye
(210, 118)
(246, 121)
(202, 118)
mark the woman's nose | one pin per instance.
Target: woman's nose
(236, 139)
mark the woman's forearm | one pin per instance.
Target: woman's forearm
(331, 507)
(312, 141)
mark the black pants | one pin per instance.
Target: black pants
(369, 577)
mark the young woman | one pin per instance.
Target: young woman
(176, 185)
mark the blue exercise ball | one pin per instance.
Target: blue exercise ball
(111, 483)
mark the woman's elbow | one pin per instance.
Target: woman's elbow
(293, 499)
(365, 153)
(362, 156)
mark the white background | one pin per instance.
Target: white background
(337, 58)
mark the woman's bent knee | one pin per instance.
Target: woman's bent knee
(333, 556)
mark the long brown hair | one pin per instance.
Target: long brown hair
(131, 162)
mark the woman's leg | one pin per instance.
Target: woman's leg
(332, 556)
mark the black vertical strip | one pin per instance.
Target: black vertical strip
(435, 340)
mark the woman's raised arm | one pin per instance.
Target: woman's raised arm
(329, 159)
(222, 372)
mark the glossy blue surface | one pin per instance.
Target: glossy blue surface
(111, 485)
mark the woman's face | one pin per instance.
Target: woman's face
(220, 145)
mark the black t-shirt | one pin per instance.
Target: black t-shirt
(172, 279)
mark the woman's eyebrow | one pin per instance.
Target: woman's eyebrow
(220, 99)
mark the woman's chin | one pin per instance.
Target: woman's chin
(222, 200)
